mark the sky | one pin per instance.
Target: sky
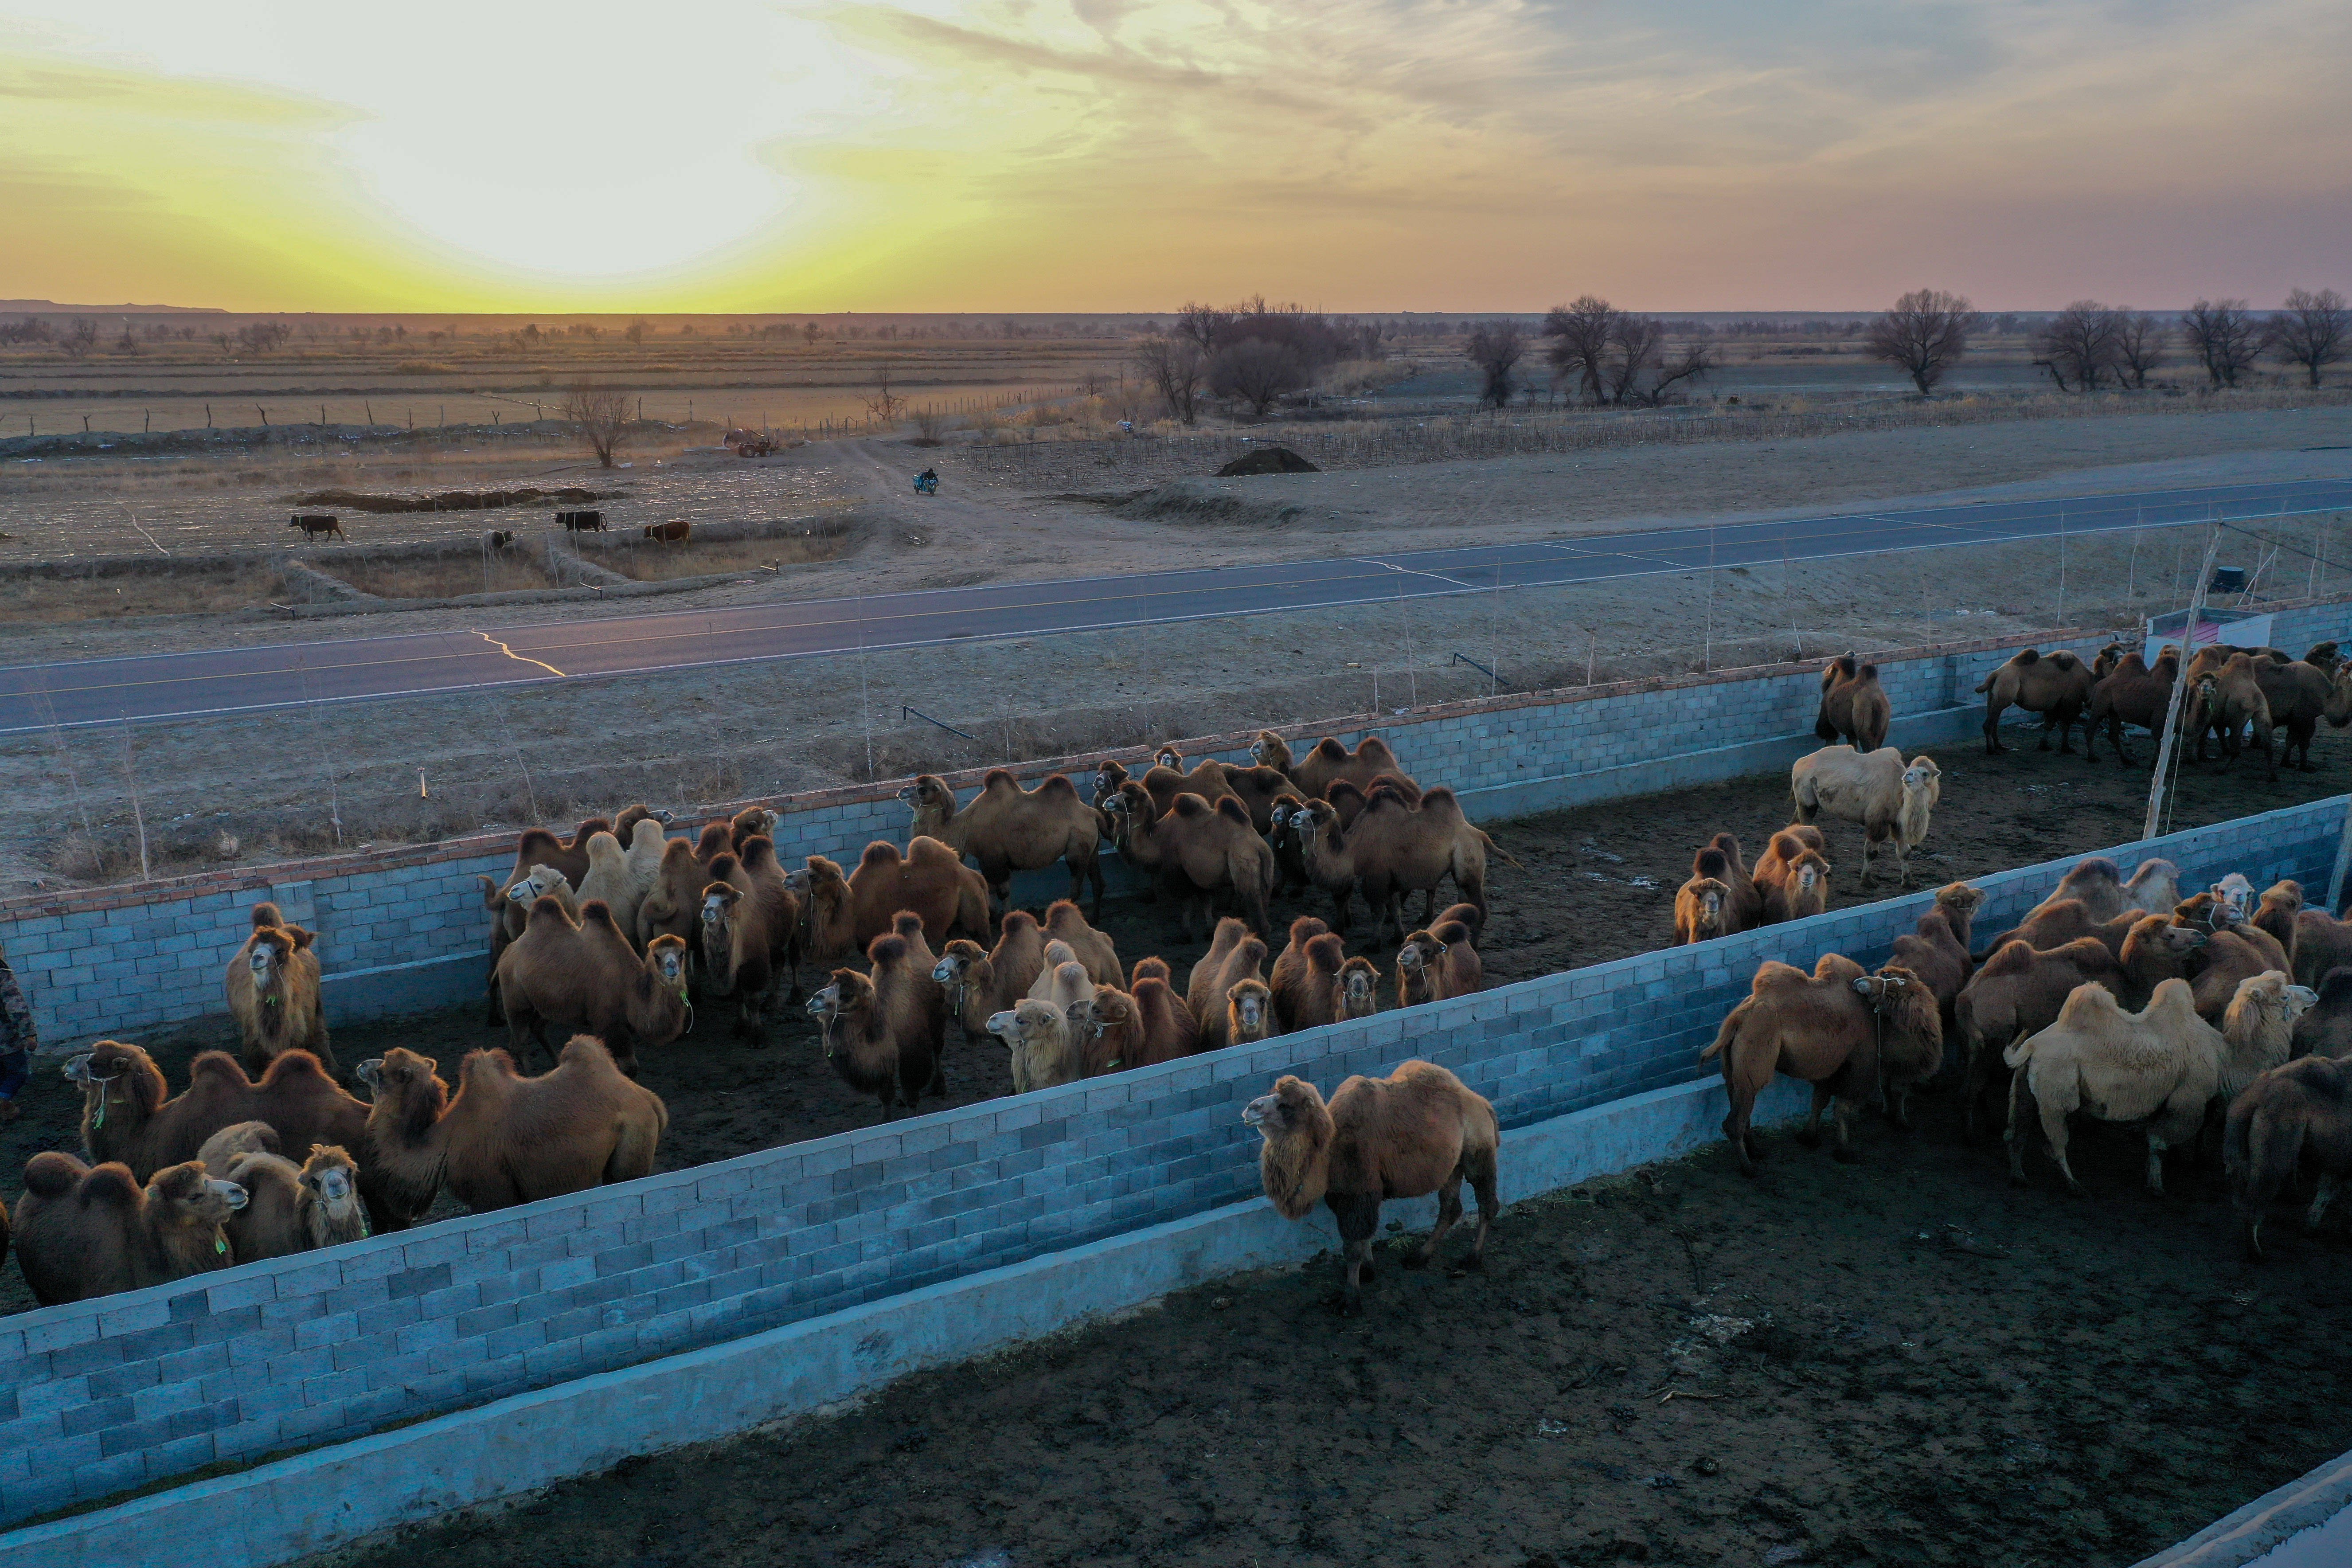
(1087, 155)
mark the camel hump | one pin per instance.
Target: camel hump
(221, 1065)
(2015, 958)
(494, 1066)
(1232, 810)
(1711, 863)
(1867, 672)
(881, 853)
(597, 912)
(2027, 656)
(758, 853)
(1451, 933)
(265, 914)
(1325, 953)
(1441, 799)
(725, 867)
(284, 1068)
(586, 1051)
(548, 909)
(1017, 921)
(1056, 786)
(886, 952)
(907, 924)
(924, 850)
(1190, 806)
(996, 779)
(2065, 658)
(52, 1174)
(2099, 866)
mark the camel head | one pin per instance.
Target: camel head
(184, 1194)
(1959, 900)
(1128, 807)
(2234, 894)
(266, 959)
(666, 961)
(720, 900)
(1270, 750)
(1295, 1160)
(1311, 818)
(331, 1176)
(1249, 1011)
(2176, 940)
(1108, 776)
(118, 1081)
(1360, 988)
(1092, 1017)
(959, 961)
(1028, 1024)
(2109, 656)
(403, 1085)
(930, 802)
(2267, 1002)
(541, 880)
(1421, 950)
(1169, 757)
(1922, 777)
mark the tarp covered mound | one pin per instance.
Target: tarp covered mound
(1268, 460)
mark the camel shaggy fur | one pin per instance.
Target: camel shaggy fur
(1329, 987)
(293, 1208)
(1437, 965)
(2278, 916)
(2326, 1027)
(1006, 828)
(2098, 886)
(2297, 695)
(1415, 1131)
(1702, 904)
(1817, 1027)
(1208, 995)
(1249, 1014)
(1910, 1035)
(621, 876)
(1289, 977)
(2056, 925)
(1746, 898)
(82, 1232)
(979, 983)
(273, 993)
(1792, 875)
(2056, 685)
(1064, 923)
(1853, 705)
(1196, 850)
(884, 1032)
(2292, 1118)
(735, 948)
(2132, 693)
(2163, 1065)
(2321, 943)
(1044, 1054)
(2225, 700)
(673, 905)
(2017, 991)
(1169, 1028)
(841, 915)
(505, 1139)
(1891, 801)
(583, 977)
(1937, 950)
(1110, 1033)
(1208, 976)
(2232, 955)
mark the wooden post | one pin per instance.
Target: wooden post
(2180, 689)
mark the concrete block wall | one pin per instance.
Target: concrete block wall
(403, 928)
(99, 1396)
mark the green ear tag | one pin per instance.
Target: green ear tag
(100, 1120)
(220, 1242)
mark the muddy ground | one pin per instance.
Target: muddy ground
(1900, 1363)
(1598, 885)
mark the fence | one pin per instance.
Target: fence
(128, 1390)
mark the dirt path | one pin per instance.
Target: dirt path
(1905, 1362)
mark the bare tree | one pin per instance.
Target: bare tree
(1175, 367)
(2224, 336)
(80, 338)
(1496, 348)
(636, 331)
(1581, 335)
(1257, 370)
(884, 404)
(1924, 335)
(603, 414)
(2078, 346)
(2312, 330)
(2140, 342)
(1618, 357)
(1204, 325)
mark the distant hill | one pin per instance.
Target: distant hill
(51, 307)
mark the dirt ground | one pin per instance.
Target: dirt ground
(1900, 1363)
(1598, 885)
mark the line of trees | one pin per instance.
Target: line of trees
(1603, 356)
(2089, 345)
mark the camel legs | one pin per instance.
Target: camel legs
(2156, 1148)
(1844, 1152)
(1480, 1168)
(1449, 1211)
(2319, 1202)
(2054, 1131)
(1358, 1214)
(1993, 746)
(1809, 1134)
(1743, 1138)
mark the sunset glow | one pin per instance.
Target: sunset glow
(1097, 155)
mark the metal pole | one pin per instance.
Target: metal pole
(2180, 689)
(2343, 865)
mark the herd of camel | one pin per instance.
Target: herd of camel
(612, 937)
(2113, 999)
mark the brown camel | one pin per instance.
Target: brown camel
(2132, 694)
(586, 979)
(1818, 1027)
(2055, 685)
(273, 993)
(1417, 1131)
(1853, 705)
(1196, 850)
(841, 915)
(83, 1231)
(1006, 828)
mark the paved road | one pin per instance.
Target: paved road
(188, 685)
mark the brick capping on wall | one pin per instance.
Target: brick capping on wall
(101, 1396)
